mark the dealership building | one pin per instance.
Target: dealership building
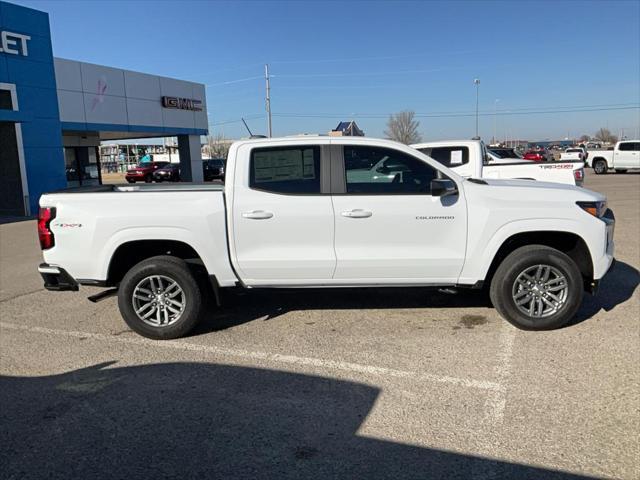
(55, 112)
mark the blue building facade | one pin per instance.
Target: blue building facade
(55, 112)
(29, 76)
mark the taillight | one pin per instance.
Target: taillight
(44, 232)
(578, 175)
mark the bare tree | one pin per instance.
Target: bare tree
(402, 128)
(584, 138)
(218, 146)
(604, 135)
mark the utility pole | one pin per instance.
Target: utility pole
(495, 121)
(476, 82)
(268, 99)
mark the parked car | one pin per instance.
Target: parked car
(143, 172)
(470, 159)
(575, 153)
(297, 213)
(624, 156)
(538, 156)
(168, 173)
(213, 169)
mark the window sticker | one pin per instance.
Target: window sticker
(283, 165)
(456, 157)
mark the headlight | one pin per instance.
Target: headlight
(597, 209)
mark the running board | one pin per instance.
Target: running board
(103, 295)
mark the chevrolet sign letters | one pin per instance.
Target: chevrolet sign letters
(9, 43)
(182, 103)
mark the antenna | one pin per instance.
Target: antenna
(251, 135)
(247, 127)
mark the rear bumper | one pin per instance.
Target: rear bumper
(57, 279)
(135, 176)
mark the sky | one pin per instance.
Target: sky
(360, 60)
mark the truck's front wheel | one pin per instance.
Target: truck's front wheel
(159, 298)
(537, 288)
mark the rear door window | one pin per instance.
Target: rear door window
(629, 146)
(287, 170)
(448, 156)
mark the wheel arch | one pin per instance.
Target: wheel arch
(569, 243)
(131, 252)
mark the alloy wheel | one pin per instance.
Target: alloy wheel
(158, 300)
(540, 291)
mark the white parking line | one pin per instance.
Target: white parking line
(497, 399)
(493, 387)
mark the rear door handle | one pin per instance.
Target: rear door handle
(257, 215)
(357, 213)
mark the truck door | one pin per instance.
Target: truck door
(627, 155)
(283, 216)
(393, 230)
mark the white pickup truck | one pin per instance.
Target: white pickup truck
(624, 156)
(470, 159)
(577, 153)
(327, 212)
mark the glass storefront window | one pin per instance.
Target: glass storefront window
(82, 166)
(71, 167)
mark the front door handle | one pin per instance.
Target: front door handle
(357, 213)
(257, 215)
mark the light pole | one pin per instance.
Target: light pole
(268, 98)
(476, 82)
(495, 120)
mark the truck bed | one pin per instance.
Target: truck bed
(145, 187)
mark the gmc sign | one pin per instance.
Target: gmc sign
(182, 103)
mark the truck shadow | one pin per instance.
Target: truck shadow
(204, 420)
(617, 287)
(243, 306)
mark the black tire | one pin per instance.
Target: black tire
(148, 179)
(600, 166)
(130, 181)
(503, 286)
(621, 170)
(176, 270)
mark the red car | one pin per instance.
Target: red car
(143, 172)
(536, 156)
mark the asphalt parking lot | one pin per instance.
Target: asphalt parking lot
(384, 383)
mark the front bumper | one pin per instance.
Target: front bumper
(57, 279)
(595, 284)
(605, 264)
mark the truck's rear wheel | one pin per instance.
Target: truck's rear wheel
(159, 298)
(600, 166)
(537, 288)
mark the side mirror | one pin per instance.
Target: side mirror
(443, 187)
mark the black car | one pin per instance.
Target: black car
(168, 173)
(213, 169)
